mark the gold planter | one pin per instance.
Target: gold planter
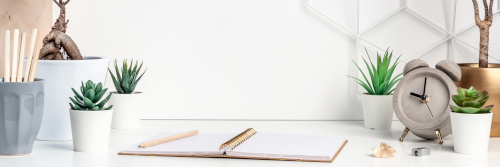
(484, 79)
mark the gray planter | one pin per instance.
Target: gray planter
(21, 107)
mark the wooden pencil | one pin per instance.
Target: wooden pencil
(35, 58)
(169, 138)
(6, 71)
(21, 58)
(15, 52)
(30, 55)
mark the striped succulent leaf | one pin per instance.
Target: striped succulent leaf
(126, 79)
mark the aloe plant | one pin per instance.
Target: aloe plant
(381, 80)
(126, 80)
(470, 101)
(90, 99)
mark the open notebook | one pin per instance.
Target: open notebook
(248, 144)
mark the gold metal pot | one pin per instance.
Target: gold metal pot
(484, 79)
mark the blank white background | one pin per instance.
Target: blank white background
(263, 59)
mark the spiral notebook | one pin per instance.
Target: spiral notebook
(248, 144)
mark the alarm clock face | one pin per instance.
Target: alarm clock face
(422, 98)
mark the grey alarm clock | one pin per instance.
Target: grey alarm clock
(422, 97)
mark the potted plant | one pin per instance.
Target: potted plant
(377, 102)
(126, 114)
(62, 67)
(469, 122)
(21, 108)
(483, 71)
(90, 119)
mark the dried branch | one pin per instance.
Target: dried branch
(484, 30)
(485, 4)
(476, 11)
(490, 11)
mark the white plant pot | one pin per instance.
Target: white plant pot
(90, 130)
(60, 76)
(127, 108)
(377, 111)
(471, 132)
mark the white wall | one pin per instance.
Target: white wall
(262, 59)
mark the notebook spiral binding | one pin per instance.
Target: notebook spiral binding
(237, 140)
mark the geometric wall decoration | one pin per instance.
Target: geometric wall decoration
(416, 29)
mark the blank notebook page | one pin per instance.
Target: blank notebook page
(201, 144)
(289, 146)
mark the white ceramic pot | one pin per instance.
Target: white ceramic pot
(91, 130)
(60, 76)
(127, 108)
(377, 111)
(471, 132)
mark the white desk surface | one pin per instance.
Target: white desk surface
(357, 152)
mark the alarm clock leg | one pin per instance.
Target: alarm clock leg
(438, 134)
(405, 132)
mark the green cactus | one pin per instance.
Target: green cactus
(126, 81)
(90, 97)
(470, 101)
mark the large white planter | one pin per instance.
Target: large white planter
(377, 111)
(60, 76)
(127, 108)
(471, 132)
(90, 130)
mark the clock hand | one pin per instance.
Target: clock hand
(416, 95)
(425, 85)
(429, 109)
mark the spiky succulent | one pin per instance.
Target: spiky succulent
(126, 81)
(470, 101)
(381, 82)
(90, 97)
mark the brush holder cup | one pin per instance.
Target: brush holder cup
(21, 107)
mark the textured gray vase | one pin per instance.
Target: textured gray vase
(21, 107)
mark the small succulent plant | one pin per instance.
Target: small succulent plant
(126, 81)
(90, 97)
(470, 101)
(381, 82)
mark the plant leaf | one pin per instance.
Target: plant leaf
(132, 87)
(125, 81)
(364, 76)
(458, 100)
(101, 104)
(77, 94)
(117, 72)
(461, 91)
(76, 102)
(486, 109)
(455, 109)
(481, 103)
(473, 104)
(88, 103)
(89, 94)
(382, 90)
(470, 110)
(364, 85)
(99, 96)
(98, 88)
(109, 107)
(116, 83)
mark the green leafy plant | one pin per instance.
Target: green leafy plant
(470, 101)
(90, 97)
(381, 81)
(126, 81)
